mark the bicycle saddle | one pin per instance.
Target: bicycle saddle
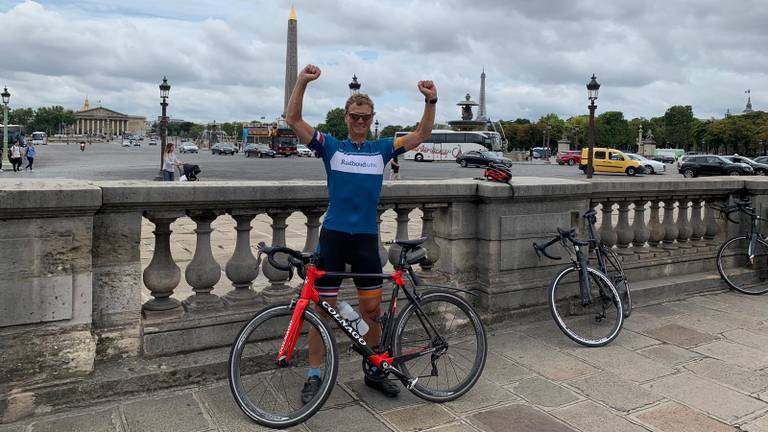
(411, 244)
(590, 213)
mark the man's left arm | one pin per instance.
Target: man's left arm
(424, 130)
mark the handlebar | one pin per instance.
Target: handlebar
(742, 206)
(562, 236)
(296, 258)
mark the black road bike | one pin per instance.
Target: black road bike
(742, 261)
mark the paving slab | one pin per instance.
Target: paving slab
(673, 417)
(734, 353)
(502, 370)
(178, 412)
(539, 357)
(679, 335)
(758, 425)
(519, 418)
(483, 395)
(352, 418)
(711, 398)
(455, 427)
(731, 375)
(615, 392)
(669, 354)
(419, 417)
(546, 332)
(377, 401)
(589, 416)
(100, 421)
(715, 322)
(756, 340)
(12, 428)
(624, 363)
(543, 392)
(633, 341)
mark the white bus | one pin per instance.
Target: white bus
(447, 145)
(39, 138)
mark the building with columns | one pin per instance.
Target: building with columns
(104, 121)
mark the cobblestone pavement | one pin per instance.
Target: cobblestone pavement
(693, 365)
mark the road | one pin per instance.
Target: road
(111, 161)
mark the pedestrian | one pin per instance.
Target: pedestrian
(530, 154)
(30, 153)
(15, 156)
(354, 169)
(395, 167)
(170, 162)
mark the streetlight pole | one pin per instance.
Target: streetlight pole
(164, 89)
(6, 99)
(376, 129)
(592, 88)
(575, 133)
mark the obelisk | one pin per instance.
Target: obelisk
(481, 116)
(291, 60)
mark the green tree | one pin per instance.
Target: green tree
(612, 130)
(334, 124)
(678, 126)
(21, 116)
(389, 131)
(51, 119)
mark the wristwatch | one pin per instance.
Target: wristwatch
(430, 101)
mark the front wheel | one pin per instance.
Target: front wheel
(742, 272)
(734, 173)
(689, 173)
(269, 393)
(631, 171)
(443, 345)
(463, 163)
(419, 157)
(649, 170)
(594, 322)
(571, 162)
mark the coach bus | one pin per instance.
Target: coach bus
(447, 145)
(39, 138)
(14, 132)
(278, 137)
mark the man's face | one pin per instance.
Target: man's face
(359, 118)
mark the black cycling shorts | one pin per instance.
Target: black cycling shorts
(361, 251)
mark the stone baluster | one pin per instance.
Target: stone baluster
(402, 232)
(624, 234)
(162, 275)
(203, 272)
(313, 228)
(383, 254)
(712, 225)
(655, 228)
(670, 228)
(698, 227)
(427, 230)
(684, 228)
(640, 228)
(242, 268)
(278, 290)
(607, 233)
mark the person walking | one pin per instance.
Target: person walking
(395, 169)
(530, 154)
(30, 153)
(170, 162)
(15, 156)
(354, 169)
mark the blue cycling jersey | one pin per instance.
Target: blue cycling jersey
(355, 173)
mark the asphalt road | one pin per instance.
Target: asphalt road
(110, 161)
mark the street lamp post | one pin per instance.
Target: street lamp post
(592, 89)
(376, 129)
(575, 133)
(164, 89)
(6, 99)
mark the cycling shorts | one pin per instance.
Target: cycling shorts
(361, 251)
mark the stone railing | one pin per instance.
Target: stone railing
(75, 292)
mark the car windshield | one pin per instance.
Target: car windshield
(636, 157)
(488, 155)
(263, 147)
(724, 159)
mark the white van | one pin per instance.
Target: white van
(39, 138)
(447, 145)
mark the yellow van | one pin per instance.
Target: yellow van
(608, 160)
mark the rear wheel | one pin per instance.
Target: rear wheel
(649, 169)
(269, 393)
(419, 157)
(454, 350)
(615, 272)
(631, 171)
(689, 173)
(734, 173)
(463, 163)
(748, 275)
(593, 324)
(570, 162)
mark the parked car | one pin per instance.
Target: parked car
(223, 149)
(539, 152)
(188, 147)
(609, 160)
(667, 155)
(304, 151)
(649, 166)
(153, 142)
(761, 159)
(570, 157)
(482, 159)
(712, 165)
(759, 168)
(135, 143)
(259, 150)
(125, 143)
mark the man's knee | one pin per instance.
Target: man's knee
(370, 308)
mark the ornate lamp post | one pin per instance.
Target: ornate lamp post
(376, 129)
(6, 98)
(575, 133)
(164, 89)
(592, 88)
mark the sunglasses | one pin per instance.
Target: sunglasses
(363, 117)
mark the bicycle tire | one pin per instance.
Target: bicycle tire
(253, 354)
(575, 319)
(615, 272)
(410, 334)
(737, 271)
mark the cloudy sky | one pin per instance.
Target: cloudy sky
(225, 60)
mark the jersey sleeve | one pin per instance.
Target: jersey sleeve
(397, 147)
(317, 143)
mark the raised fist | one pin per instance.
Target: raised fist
(428, 89)
(309, 73)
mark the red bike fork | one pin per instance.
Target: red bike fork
(292, 334)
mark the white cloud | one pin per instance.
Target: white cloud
(225, 61)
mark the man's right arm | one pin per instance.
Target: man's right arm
(302, 129)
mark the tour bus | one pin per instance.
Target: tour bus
(14, 132)
(39, 138)
(447, 145)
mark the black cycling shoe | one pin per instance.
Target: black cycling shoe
(383, 385)
(311, 387)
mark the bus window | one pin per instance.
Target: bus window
(474, 138)
(437, 138)
(454, 138)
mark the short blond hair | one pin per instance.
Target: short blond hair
(358, 99)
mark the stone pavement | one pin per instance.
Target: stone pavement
(695, 365)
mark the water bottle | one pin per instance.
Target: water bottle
(351, 315)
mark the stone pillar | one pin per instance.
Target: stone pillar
(639, 227)
(402, 232)
(162, 275)
(712, 226)
(278, 290)
(698, 227)
(624, 234)
(203, 272)
(313, 228)
(427, 230)
(242, 268)
(684, 228)
(655, 228)
(383, 254)
(670, 229)
(607, 234)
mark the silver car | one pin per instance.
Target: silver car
(650, 166)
